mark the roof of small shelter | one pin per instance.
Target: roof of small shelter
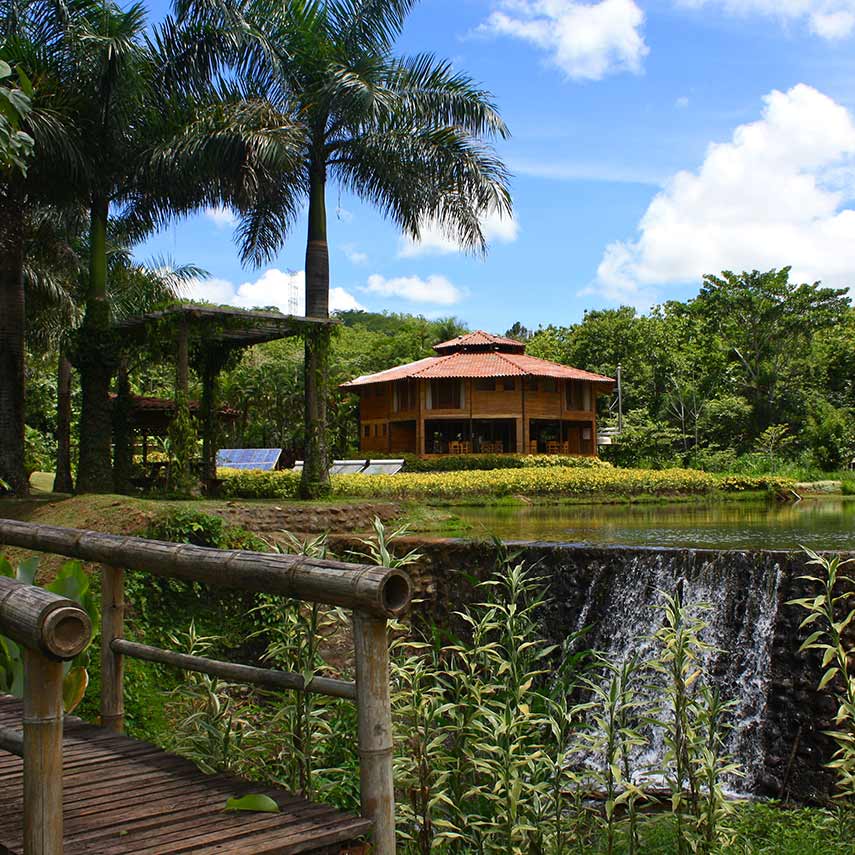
(154, 415)
(225, 324)
(479, 355)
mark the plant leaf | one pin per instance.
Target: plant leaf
(255, 802)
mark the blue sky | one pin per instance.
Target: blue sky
(652, 141)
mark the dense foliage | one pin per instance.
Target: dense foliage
(704, 379)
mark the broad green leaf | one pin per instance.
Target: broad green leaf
(254, 802)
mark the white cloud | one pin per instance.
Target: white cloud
(496, 227)
(830, 19)
(774, 195)
(587, 41)
(354, 255)
(682, 102)
(283, 289)
(222, 217)
(434, 289)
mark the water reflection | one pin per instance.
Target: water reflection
(821, 523)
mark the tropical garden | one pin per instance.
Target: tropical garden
(110, 129)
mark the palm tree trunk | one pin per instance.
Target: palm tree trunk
(12, 352)
(95, 470)
(62, 482)
(315, 481)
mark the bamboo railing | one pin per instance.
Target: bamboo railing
(51, 630)
(375, 594)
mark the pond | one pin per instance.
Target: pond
(818, 523)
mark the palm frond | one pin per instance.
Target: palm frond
(369, 25)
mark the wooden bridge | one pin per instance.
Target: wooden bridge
(67, 786)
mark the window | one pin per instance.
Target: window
(531, 384)
(578, 395)
(549, 384)
(485, 384)
(445, 395)
(366, 431)
(384, 428)
(508, 384)
(405, 395)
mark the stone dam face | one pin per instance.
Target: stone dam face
(778, 716)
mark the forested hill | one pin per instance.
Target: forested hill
(754, 371)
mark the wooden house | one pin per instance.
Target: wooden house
(481, 393)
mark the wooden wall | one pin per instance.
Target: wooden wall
(403, 430)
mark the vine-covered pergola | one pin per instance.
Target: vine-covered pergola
(208, 339)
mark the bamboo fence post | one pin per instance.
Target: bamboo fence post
(112, 663)
(42, 754)
(376, 786)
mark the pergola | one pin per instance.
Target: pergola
(209, 336)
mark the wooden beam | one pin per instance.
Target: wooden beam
(43, 621)
(381, 591)
(42, 743)
(238, 673)
(376, 785)
(182, 359)
(112, 664)
(12, 741)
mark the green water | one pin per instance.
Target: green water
(818, 523)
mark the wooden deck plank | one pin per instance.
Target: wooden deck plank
(123, 796)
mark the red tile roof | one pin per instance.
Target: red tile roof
(491, 364)
(482, 341)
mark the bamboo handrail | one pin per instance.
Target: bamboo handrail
(42, 621)
(12, 741)
(241, 673)
(51, 629)
(373, 593)
(382, 591)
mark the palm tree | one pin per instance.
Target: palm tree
(411, 136)
(32, 43)
(160, 143)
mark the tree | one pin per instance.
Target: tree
(410, 136)
(33, 45)
(764, 322)
(159, 143)
(16, 144)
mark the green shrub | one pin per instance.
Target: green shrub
(483, 462)
(194, 527)
(248, 484)
(553, 481)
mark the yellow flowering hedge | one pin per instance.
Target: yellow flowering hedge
(548, 481)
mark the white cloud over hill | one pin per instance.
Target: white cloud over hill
(434, 289)
(283, 289)
(777, 193)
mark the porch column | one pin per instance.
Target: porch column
(182, 367)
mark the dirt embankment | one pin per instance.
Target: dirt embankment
(130, 516)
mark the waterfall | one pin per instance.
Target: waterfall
(623, 611)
